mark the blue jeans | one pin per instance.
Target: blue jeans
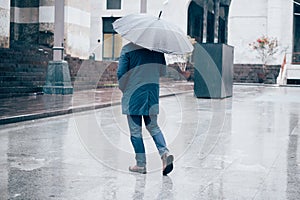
(135, 127)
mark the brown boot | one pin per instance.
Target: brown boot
(167, 161)
(138, 169)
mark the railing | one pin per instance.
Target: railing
(296, 58)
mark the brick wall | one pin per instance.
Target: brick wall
(242, 73)
(23, 71)
(91, 74)
(246, 73)
(174, 72)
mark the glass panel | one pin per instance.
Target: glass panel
(221, 33)
(107, 45)
(118, 45)
(195, 21)
(296, 48)
(107, 24)
(210, 27)
(113, 4)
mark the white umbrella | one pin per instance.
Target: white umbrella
(153, 33)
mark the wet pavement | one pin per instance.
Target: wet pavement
(244, 147)
(39, 106)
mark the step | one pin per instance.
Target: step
(293, 82)
(22, 74)
(20, 89)
(22, 83)
(26, 78)
(17, 58)
(19, 94)
(84, 87)
(10, 95)
(26, 67)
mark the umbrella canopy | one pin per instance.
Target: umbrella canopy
(153, 33)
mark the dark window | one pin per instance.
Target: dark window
(113, 4)
(296, 49)
(210, 27)
(195, 21)
(222, 30)
(112, 41)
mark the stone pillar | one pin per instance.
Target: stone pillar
(4, 23)
(58, 79)
(59, 21)
(205, 11)
(24, 24)
(216, 23)
(46, 25)
(143, 6)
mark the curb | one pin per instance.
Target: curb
(78, 109)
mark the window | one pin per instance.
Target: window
(113, 4)
(210, 27)
(195, 21)
(112, 42)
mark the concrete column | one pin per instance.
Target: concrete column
(59, 30)
(58, 79)
(4, 23)
(205, 11)
(216, 23)
(143, 6)
(226, 9)
(46, 22)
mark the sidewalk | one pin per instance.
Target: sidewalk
(25, 108)
(244, 147)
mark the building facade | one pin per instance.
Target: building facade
(249, 20)
(88, 29)
(32, 22)
(204, 20)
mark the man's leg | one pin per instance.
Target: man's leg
(135, 127)
(153, 128)
(155, 132)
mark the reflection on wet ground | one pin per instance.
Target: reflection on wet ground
(244, 147)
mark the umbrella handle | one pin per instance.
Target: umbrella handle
(159, 14)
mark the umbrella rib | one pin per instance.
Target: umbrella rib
(141, 35)
(154, 34)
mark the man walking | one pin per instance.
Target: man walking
(138, 75)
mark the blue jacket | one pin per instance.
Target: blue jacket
(138, 75)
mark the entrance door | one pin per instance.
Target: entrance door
(112, 41)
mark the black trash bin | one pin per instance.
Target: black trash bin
(213, 70)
